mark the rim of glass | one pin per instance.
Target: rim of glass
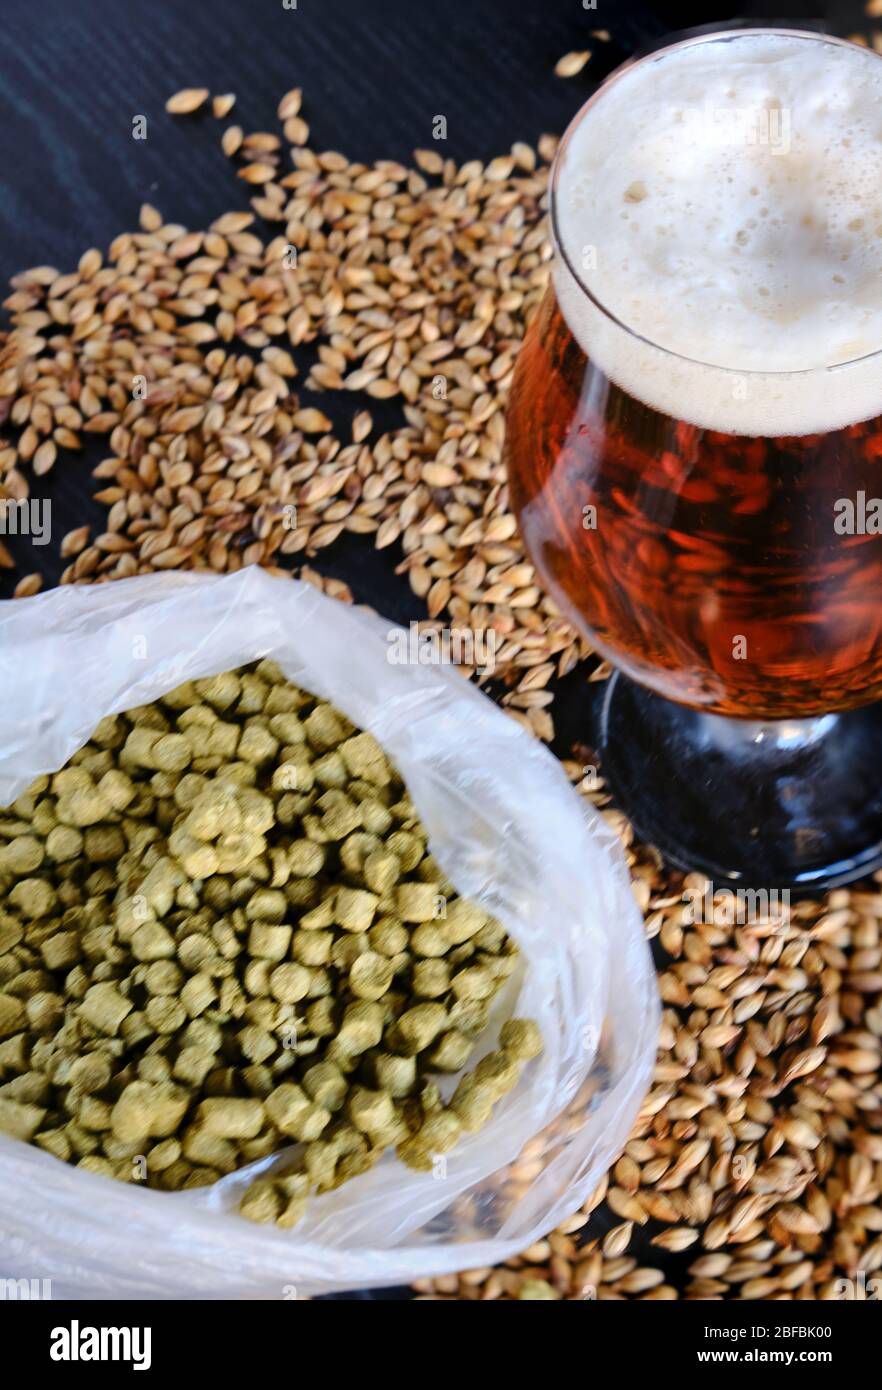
(716, 36)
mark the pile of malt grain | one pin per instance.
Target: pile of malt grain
(184, 349)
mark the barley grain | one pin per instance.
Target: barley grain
(189, 99)
(571, 64)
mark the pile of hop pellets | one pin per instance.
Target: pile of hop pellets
(222, 935)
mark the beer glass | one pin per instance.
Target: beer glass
(710, 527)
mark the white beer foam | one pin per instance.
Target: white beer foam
(723, 200)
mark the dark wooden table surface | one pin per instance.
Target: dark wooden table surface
(375, 73)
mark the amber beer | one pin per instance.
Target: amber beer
(697, 408)
(705, 564)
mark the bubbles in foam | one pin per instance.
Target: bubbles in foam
(732, 191)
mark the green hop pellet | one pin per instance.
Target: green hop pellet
(293, 1211)
(267, 905)
(105, 1008)
(22, 855)
(20, 1120)
(451, 1052)
(376, 819)
(417, 902)
(171, 753)
(290, 982)
(365, 758)
(419, 1027)
(269, 942)
(408, 849)
(473, 1103)
(33, 897)
(230, 1118)
(370, 1111)
(354, 909)
(326, 1085)
(499, 1071)
(355, 850)
(462, 921)
(473, 983)
(330, 771)
(61, 950)
(207, 1149)
(389, 937)
(431, 978)
(321, 916)
(287, 728)
(262, 1202)
(148, 1110)
(340, 816)
(397, 1075)
(347, 947)
(165, 1014)
(440, 1132)
(312, 948)
(361, 1028)
(193, 1066)
(162, 1155)
(429, 939)
(305, 858)
(198, 993)
(64, 843)
(324, 728)
(321, 1018)
(152, 941)
(91, 1072)
(381, 871)
(521, 1038)
(370, 975)
(293, 1112)
(320, 1160)
(469, 1016)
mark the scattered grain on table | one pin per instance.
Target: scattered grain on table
(571, 64)
(759, 1148)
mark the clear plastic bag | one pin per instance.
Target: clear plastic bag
(508, 831)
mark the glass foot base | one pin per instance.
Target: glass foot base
(776, 804)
